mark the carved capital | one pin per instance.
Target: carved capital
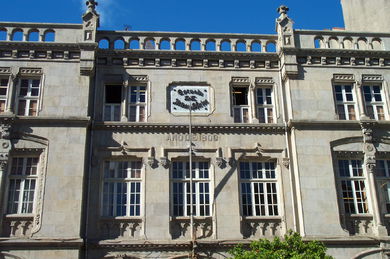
(286, 162)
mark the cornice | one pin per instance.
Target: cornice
(41, 25)
(187, 54)
(42, 243)
(341, 33)
(183, 128)
(45, 121)
(141, 245)
(336, 52)
(325, 125)
(11, 45)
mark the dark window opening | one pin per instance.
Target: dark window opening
(240, 96)
(113, 94)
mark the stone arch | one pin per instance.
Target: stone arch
(256, 46)
(377, 44)
(180, 44)
(362, 43)
(149, 43)
(3, 34)
(134, 43)
(17, 35)
(240, 45)
(348, 43)
(33, 35)
(195, 44)
(165, 44)
(270, 46)
(226, 45)
(334, 43)
(319, 42)
(49, 35)
(210, 45)
(119, 43)
(104, 43)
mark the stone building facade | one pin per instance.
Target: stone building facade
(288, 131)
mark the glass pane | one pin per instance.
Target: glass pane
(32, 111)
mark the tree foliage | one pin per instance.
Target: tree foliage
(291, 247)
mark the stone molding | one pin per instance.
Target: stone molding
(30, 71)
(5, 70)
(264, 81)
(240, 81)
(343, 78)
(372, 78)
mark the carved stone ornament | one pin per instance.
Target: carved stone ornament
(91, 4)
(151, 161)
(370, 163)
(286, 162)
(164, 162)
(5, 131)
(258, 150)
(283, 10)
(220, 162)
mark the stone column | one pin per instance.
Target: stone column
(125, 94)
(13, 82)
(360, 101)
(5, 147)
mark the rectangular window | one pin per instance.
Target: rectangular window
(259, 195)
(28, 97)
(345, 102)
(241, 109)
(137, 103)
(264, 104)
(181, 191)
(112, 104)
(383, 183)
(374, 102)
(353, 186)
(3, 93)
(122, 188)
(22, 185)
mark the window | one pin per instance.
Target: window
(374, 102)
(112, 106)
(137, 103)
(201, 196)
(241, 109)
(28, 96)
(383, 183)
(22, 185)
(122, 188)
(352, 186)
(3, 93)
(345, 102)
(136, 97)
(259, 195)
(264, 105)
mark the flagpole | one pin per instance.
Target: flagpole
(191, 187)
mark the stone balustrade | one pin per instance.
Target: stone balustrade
(17, 226)
(180, 227)
(260, 227)
(342, 40)
(175, 41)
(120, 228)
(40, 32)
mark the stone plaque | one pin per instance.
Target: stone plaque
(196, 97)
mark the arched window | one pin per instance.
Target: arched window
(256, 46)
(17, 35)
(165, 44)
(348, 43)
(271, 46)
(3, 34)
(49, 36)
(104, 44)
(119, 44)
(195, 45)
(210, 45)
(226, 45)
(240, 46)
(334, 43)
(150, 44)
(362, 43)
(33, 35)
(318, 42)
(180, 44)
(376, 44)
(134, 44)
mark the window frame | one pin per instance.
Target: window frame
(381, 181)
(252, 204)
(196, 181)
(4, 98)
(374, 104)
(265, 106)
(351, 178)
(128, 181)
(240, 107)
(345, 103)
(28, 98)
(111, 105)
(23, 178)
(137, 104)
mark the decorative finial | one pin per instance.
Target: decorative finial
(282, 10)
(91, 4)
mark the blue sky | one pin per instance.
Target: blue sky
(244, 16)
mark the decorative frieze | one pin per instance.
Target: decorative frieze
(372, 78)
(5, 70)
(261, 227)
(240, 80)
(343, 78)
(20, 227)
(141, 78)
(121, 228)
(30, 71)
(361, 225)
(264, 81)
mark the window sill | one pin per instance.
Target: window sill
(135, 218)
(261, 218)
(19, 216)
(359, 215)
(188, 218)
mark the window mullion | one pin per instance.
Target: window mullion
(21, 193)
